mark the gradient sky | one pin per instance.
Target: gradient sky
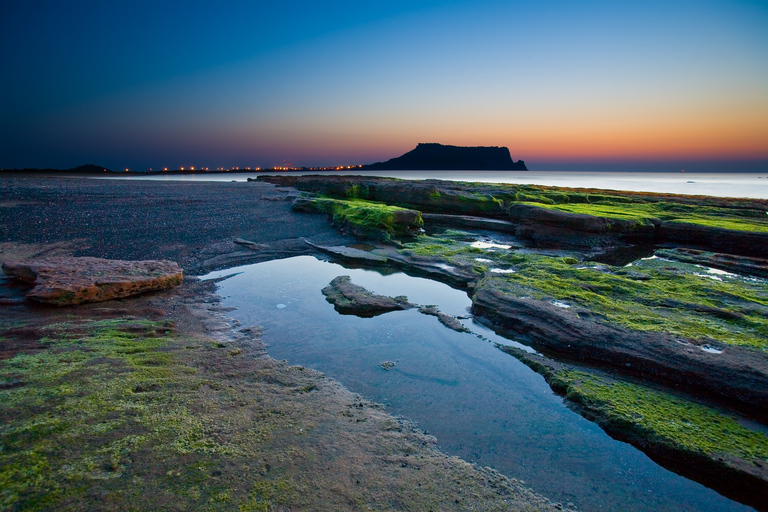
(563, 84)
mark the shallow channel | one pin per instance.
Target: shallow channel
(480, 403)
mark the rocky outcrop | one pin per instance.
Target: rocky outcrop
(734, 376)
(573, 230)
(518, 205)
(433, 156)
(365, 220)
(67, 280)
(741, 479)
(350, 299)
(471, 222)
(710, 238)
(743, 265)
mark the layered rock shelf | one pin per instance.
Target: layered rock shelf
(569, 218)
(68, 280)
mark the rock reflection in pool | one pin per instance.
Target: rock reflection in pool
(481, 404)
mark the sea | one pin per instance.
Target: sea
(719, 184)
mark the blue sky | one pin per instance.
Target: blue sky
(169, 84)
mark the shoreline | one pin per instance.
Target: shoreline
(306, 468)
(192, 215)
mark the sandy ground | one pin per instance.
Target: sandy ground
(349, 455)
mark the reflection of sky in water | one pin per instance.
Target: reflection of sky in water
(482, 404)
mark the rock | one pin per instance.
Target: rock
(350, 299)
(743, 265)
(433, 156)
(736, 377)
(469, 221)
(349, 253)
(550, 227)
(387, 365)
(247, 243)
(68, 280)
(449, 321)
(365, 220)
(575, 230)
(709, 238)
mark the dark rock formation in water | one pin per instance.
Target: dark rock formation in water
(350, 299)
(433, 157)
(66, 281)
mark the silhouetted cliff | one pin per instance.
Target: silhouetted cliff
(434, 156)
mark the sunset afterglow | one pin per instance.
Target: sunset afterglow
(558, 83)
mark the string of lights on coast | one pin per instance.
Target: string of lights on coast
(247, 169)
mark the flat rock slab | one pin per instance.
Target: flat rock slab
(350, 299)
(68, 280)
(349, 253)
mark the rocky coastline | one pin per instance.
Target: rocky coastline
(656, 325)
(618, 293)
(158, 401)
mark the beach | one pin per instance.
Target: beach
(246, 431)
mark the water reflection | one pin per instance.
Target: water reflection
(480, 403)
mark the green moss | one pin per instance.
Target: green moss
(357, 192)
(367, 219)
(265, 496)
(663, 418)
(652, 295)
(642, 212)
(736, 225)
(101, 395)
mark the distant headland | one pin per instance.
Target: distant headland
(434, 157)
(425, 157)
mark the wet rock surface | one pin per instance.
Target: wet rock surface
(350, 299)
(742, 480)
(727, 262)
(534, 222)
(563, 229)
(67, 281)
(735, 376)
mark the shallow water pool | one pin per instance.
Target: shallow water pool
(480, 403)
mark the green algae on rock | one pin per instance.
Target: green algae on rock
(696, 440)
(365, 219)
(579, 218)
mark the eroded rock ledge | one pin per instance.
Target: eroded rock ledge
(599, 218)
(69, 280)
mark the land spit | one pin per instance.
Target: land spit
(159, 401)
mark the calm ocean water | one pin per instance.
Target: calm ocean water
(751, 185)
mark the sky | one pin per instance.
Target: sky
(565, 85)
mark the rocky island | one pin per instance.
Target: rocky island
(433, 156)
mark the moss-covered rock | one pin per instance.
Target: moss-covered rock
(365, 219)
(570, 217)
(703, 443)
